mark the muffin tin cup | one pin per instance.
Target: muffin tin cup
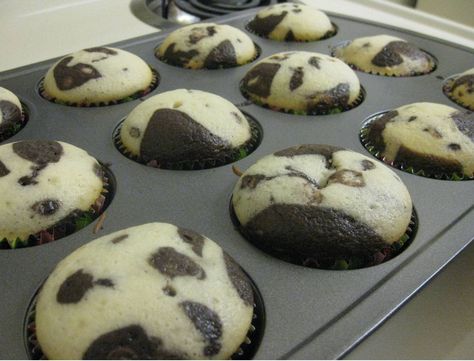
(10, 130)
(155, 81)
(305, 307)
(447, 88)
(409, 168)
(197, 164)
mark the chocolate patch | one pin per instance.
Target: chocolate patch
(366, 45)
(264, 26)
(348, 177)
(334, 98)
(39, 151)
(178, 57)
(169, 290)
(296, 78)
(171, 263)
(237, 117)
(412, 118)
(296, 11)
(308, 149)
(367, 164)
(70, 77)
(173, 136)
(10, 112)
(377, 127)
(74, 287)
(280, 57)
(105, 282)
(467, 80)
(252, 180)
(297, 173)
(306, 232)
(390, 55)
(259, 79)
(129, 343)
(200, 33)
(429, 163)
(3, 169)
(46, 207)
(465, 123)
(315, 61)
(207, 322)
(134, 132)
(101, 50)
(454, 146)
(239, 280)
(223, 55)
(192, 238)
(119, 239)
(433, 132)
(290, 36)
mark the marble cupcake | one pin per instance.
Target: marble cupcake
(323, 206)
(429, 139)
(98, 76)
(460, 89)
(153, 291)
(291, 22)
(207, 45)
(48, 187)
(11, 114)
(187, 129)
(302, 83)
(385, 55)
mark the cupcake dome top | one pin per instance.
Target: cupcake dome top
(10, 108)
(302, 81)
(184, 125)
(291, 22)
(461, 89)
(153, 291)
(97, 75)
(44, 182)
(432, 137)
(207, 45)
(385, 55)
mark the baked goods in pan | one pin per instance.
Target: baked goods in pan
(460, 89)
(303, 83)
(154, 291)
(98, 76)
(49, 189)
(11, 114)
(428, 139)
(291, 22)
(207, 45)
(385, 55)
(323, 206)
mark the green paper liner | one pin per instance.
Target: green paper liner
(336, 263)
(258, 52)
(137, 95)
(9, 130)
(198, 164)
(327, 35)
(360, 98)
(411, 74)
(447, 88)
(72, 223)
(408, 168)
(247, 350)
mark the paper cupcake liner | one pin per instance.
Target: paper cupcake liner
(408, 168)
(246, 351)
(327, 35)
(258, 52)
(360, 98)
(71, 223)
(139, 94)
(9, 130)
(381, 73)
(447, 88)
(336, 263)
(198, 164)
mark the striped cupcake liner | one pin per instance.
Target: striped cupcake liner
(137, 95)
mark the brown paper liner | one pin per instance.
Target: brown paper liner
(198, 164)
(408, 168)
(447, 88)
(247, 349)
(67, 226)
(141, 93)
(360, 98)
(8, 131)
(334, 263)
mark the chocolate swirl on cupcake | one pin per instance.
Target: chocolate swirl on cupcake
(11, 114)
(460, 89)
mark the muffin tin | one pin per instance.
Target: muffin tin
(310, 313)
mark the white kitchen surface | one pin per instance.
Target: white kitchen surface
(438, 323)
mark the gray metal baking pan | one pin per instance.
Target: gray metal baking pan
(310, 313)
